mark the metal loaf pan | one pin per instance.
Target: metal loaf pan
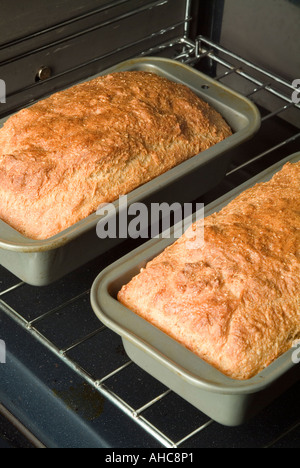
(227, 401)
(42, 262)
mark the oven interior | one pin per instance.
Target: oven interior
(67, 381)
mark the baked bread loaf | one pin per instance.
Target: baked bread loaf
(235, 300)
(64, 156)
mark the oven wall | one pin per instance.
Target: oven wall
(69, 40)
(266, 32)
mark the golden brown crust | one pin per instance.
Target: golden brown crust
(235, 302)
(64, 156)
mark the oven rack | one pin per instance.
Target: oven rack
(255, 80)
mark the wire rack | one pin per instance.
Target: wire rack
(259, 85)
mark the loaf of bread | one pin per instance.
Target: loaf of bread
(235, 300)
(65, 155)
